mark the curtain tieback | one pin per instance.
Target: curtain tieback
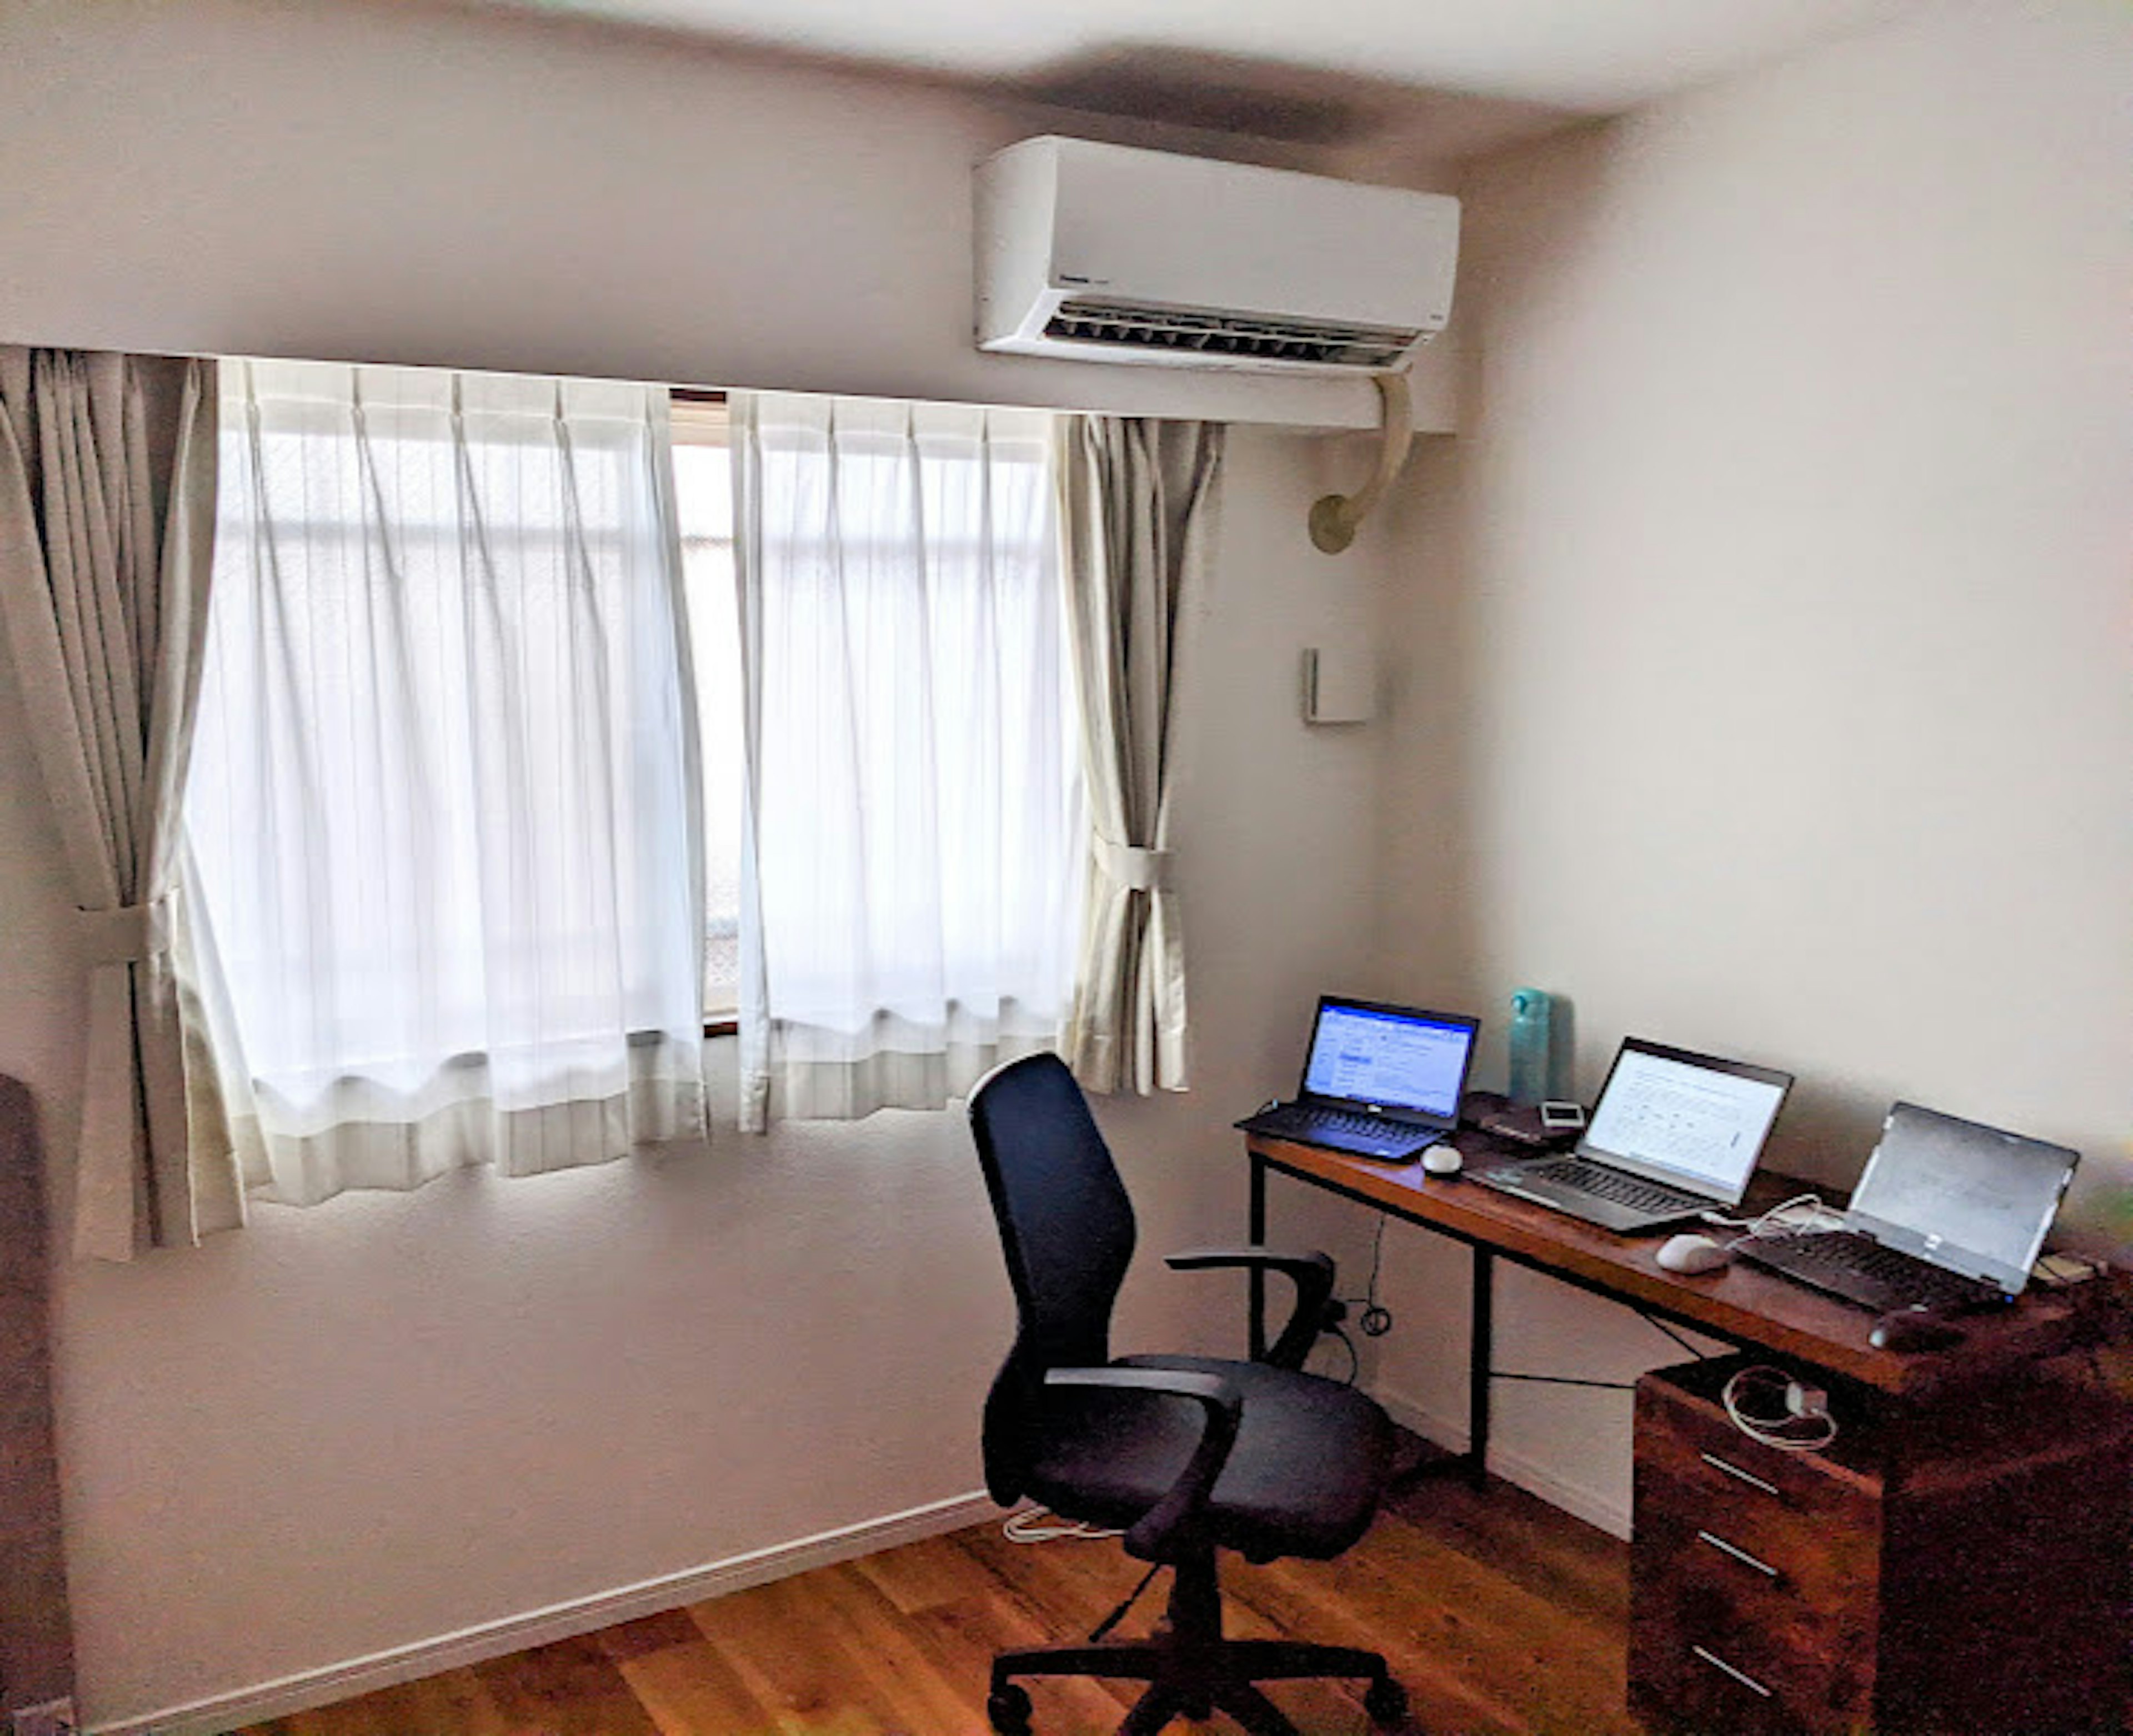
(1136, 870)
(127, 935)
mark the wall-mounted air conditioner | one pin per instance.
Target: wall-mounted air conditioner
(1103, 253)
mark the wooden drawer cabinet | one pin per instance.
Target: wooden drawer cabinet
(1892, 1582)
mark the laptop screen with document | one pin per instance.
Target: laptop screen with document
(1689, 1121)
(1397, 1059)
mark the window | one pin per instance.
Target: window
(438, 803)
(917, 838)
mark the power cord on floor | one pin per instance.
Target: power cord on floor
(1041, 1525)
(1132, 1597)
(1037, 1524)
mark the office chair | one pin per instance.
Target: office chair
(1186, 1454)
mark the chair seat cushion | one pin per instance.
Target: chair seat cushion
(1311, 1459)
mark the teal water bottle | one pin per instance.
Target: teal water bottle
(1531, 1046)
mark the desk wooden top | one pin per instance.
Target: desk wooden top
(1737, 1302)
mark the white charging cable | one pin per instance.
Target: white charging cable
(1041, 1525)
(1803, 1424)
(1802, 1213)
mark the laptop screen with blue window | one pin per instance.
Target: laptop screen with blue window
(1393, 1058)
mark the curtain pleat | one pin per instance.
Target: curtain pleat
(445, 807)
(1137, 509)
(911, 835)
(108, 468)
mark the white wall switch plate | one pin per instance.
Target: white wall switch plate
(1339, 687)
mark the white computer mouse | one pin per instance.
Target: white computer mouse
(1692, 1255)
(1443, 1160)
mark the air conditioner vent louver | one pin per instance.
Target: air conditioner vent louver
(1304, 342)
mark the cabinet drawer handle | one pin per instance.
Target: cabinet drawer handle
(1750, 1477)
(1738, 1553)
(1741, 1676)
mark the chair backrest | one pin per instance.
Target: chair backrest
(1067, 1228)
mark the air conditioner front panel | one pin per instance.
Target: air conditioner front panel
(1164, 231)
(1108, 254)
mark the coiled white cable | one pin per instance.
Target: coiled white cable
(1806, 1426)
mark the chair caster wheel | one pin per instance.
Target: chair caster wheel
(1386, 1702)
(1007, 1708)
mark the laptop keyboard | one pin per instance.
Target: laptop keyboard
(1308, 1117)
(1612, 1185)
(1345, 1121)
(1891, 1278)
(1345, 1130)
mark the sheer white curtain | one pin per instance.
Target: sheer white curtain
(910, 871)
(444, 812)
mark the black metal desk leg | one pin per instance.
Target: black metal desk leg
(1255, 1236)
(1481, 1359)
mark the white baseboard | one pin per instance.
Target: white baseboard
(1529, 1475)
(299, 1693)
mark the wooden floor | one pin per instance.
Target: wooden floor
(1497, 1612)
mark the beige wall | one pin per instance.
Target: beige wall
(1790, 584)
(1760, 677)
(395, 1417)
(370, 181)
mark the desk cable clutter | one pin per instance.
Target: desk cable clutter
(1779, 1410)
(1802, 1213)
(1765, 1403)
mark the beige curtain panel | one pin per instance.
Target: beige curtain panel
(1137, 511)
(107, 520)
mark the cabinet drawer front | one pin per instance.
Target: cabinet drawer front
(1814, 1653)
(1704, 1450)
(1739, 1536)
(1702, 1688)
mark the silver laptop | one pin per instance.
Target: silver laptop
(1675, 1134)
(1949, 1215)
(1379, 1081)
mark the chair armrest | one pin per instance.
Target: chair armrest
(1186, 1499)
(1313, 1275)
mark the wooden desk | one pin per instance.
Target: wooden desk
(1737, 1303)
(1956, 1562)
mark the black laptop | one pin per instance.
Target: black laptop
(1379, 1081)
(1948, 1216)
(1675, 1134)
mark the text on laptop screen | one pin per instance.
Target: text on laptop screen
(1675, 1121)
(1396, 1061)
(1956, 1185)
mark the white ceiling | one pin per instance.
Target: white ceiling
(1588, 56)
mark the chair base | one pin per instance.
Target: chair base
(1192, 1671)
